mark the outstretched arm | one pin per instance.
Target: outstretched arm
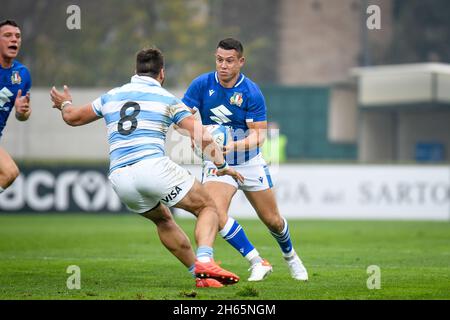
(190, 126)
(73, 116)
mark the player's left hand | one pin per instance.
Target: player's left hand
(22, 105)
(231, 172)
(59, 97)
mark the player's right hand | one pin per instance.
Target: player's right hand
(231, 172)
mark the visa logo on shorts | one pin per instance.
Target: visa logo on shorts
(172, 195)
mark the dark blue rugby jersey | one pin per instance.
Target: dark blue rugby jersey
(11, 80)
(233, 107)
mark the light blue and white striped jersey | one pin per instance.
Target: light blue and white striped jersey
(138, 116)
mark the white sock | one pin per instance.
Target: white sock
(204, 259)
(253, 257)
(204, 254)
(290, 255)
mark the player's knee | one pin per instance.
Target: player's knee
(208, 208)
(10, 174)
(160, 216)
(275, 224)
(15, 173)
(204, 203)
(210, 205)
(164, 221)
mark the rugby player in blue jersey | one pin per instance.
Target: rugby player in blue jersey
(229, 98)
(137, 116)
(15, 84)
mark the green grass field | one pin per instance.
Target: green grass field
(120, 257)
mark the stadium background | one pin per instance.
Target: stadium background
(365, 112)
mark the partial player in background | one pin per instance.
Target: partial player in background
(229, 98)
(138, 116)
(15, 84)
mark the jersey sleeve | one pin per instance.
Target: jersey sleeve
(192, 97)
(178, 111)
(257, 110)
(97, 106)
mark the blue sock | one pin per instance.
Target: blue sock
(235, 235)
(204, 253)
(284, 239)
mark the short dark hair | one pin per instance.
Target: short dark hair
(149, 62)
(231, 44)
(9, 23)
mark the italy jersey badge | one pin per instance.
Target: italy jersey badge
(237, 99)
(15, 78)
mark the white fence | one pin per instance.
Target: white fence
(356, 192)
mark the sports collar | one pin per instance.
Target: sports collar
(145, 80)
(241, 78)
(12, 65)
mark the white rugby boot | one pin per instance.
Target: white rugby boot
(296, 267)
(260, 270)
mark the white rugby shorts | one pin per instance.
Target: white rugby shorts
(255, 171)
(141, 186)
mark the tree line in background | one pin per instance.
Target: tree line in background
(102, 52)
